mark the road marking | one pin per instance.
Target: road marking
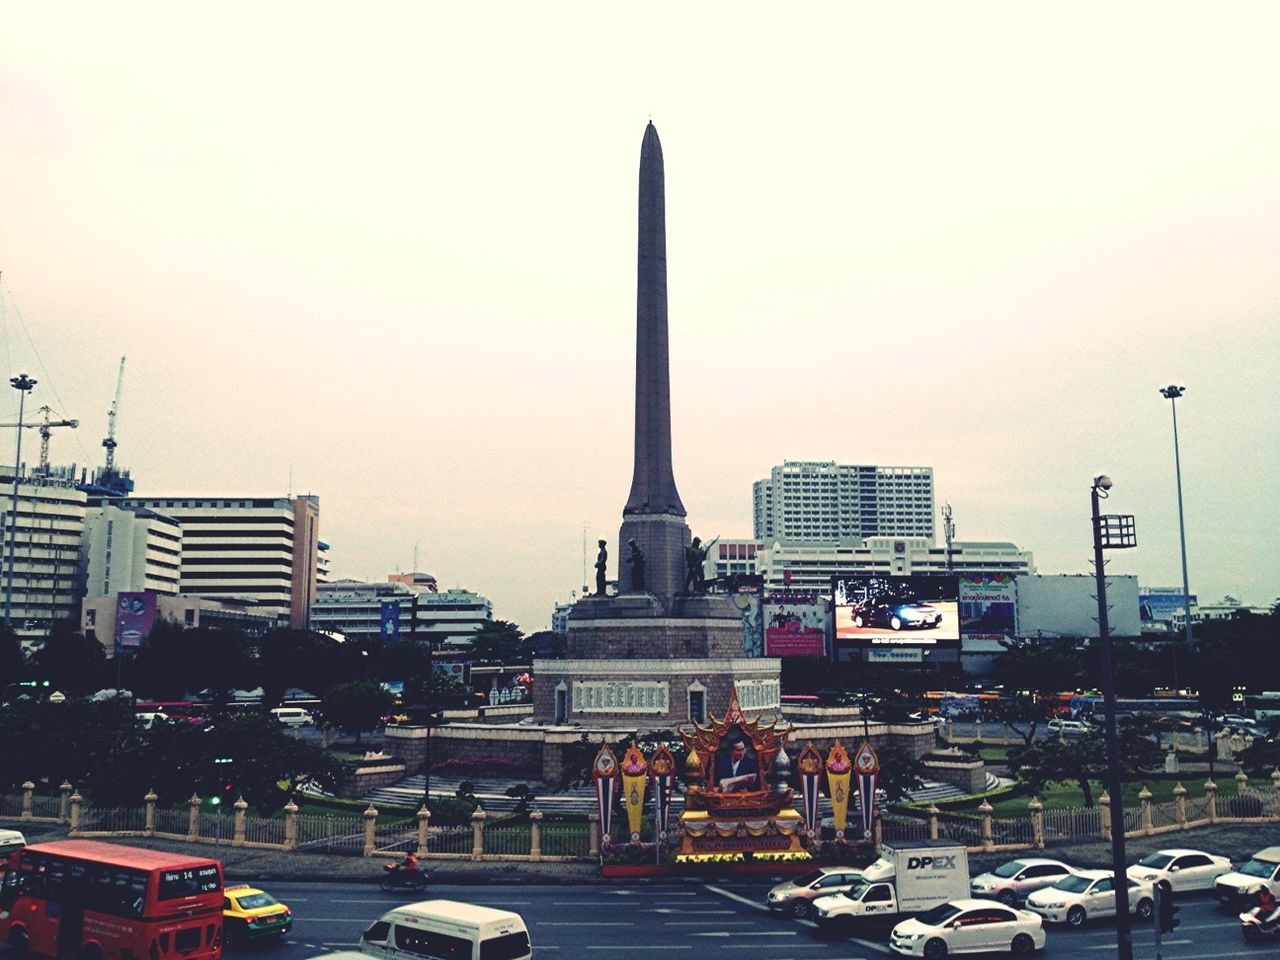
(869, 945)
(750, 933)
(686, 913)
(584, 923)
(730, 895)
(704, 923)
(632, 947)
(312, 945)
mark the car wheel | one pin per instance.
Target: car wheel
(1144, 909)
(90, 951)
(935, 949)
(858, 620)
(800, 908)
(1007, 897)
(895, 622)
(1075, 917)
(1023, 945)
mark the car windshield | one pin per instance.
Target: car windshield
(857, 890)
(1009, 869)
(812, 876)
(1157, 861)
(1072, 884)
(939, 914)
(1257, 868)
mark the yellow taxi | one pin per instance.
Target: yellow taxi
(252, 914)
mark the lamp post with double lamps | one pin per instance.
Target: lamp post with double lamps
(23, 384)
(1172, 393)
(1112, 532)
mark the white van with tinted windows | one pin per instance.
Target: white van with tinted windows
(447, 928)
(11, 840)
(293, 716)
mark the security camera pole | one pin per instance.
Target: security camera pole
(1112, 532)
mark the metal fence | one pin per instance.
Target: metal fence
(325, 834)
(450, 840)
(1067, 825)
(264, 830)
(961, 830)
(112, 819)
(564, 840)
(903, 828)
(46, 806)
(1164, 815)
(217, 825)
(397, 835)
(1012, 831)
(508, 840)
(175, 822)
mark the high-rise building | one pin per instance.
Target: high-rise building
(807, 501)
(353, 608)
(44, 536)
(266, 549)
(128, 551)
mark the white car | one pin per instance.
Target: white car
(1070, 726)
(1011, 882)
(1087, 894)
(1183, 870)
(968, 926)
(797, 896)
(1233, 889)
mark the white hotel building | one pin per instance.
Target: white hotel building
(45, 530)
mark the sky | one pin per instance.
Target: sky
(385, 254)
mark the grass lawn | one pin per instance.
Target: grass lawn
(1069, 795)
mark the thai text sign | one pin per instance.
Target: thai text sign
(620, 696)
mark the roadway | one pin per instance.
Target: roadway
(695, 919)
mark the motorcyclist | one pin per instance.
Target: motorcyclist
(1266, 910)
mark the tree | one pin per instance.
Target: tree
(1028, 671)
(900, 772)
(70, 661)
(1081, 760)
(496, 640)
(13, 661)
(356, 706)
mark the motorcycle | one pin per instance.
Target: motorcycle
(1256, 928)
(398, 877)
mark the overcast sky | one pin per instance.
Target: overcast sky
(388, 251)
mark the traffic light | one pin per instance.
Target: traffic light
(1165, 910)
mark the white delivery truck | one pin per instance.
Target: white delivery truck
(909, 878)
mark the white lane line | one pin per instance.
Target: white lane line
(334, 945)
(632, 947)
(708, 923)
(584, 923)
(748, 933)
(737, 898)
(676, 911)
(869, 945)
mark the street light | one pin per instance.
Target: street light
(1172, 393)
(23, 384)
(1112, 532)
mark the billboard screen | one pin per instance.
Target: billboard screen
(135, 616)
(1160, 612)
(883, 610)
(795, 625)
(988, 611)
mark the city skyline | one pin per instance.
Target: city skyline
(391, 262)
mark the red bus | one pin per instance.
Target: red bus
(88, 900)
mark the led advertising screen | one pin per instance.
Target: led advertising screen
(795, 625)
(883, 610)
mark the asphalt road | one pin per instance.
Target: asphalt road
(698, 920)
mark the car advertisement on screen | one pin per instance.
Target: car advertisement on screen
(883, 610)
(795, 625)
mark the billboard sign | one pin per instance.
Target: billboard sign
(795, 626)
(988, 610)
(746, 591)
(389, 620)
(884, 610)
(1160, 611)
(135, 616)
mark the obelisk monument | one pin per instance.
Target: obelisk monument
(653, 515)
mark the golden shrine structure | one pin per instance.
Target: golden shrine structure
(737, 802)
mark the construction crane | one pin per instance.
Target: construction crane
(110, 441)
(45, 427)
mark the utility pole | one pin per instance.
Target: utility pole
(1112, 532)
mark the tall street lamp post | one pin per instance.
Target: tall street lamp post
(23, 384)
(1112, 532)
(1172, 393)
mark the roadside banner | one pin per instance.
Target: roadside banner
(839, 771)
(635, 774)
(605, 772)
(868, 765)
(809, 763)
(663, 770)
(389, 625)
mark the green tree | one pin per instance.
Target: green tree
(497, 640)
(70, 661)
(13, 661)
(356, 706)
(1029, 671)
(1081, 760)
(900, 772)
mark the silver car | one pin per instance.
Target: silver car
(1012, 882)
(797, 896)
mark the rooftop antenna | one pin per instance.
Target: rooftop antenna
(415, 558)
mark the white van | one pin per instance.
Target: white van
(11, 840)
(293, 716)
(447, 928)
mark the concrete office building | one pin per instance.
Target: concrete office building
(44, 534)
(353, 608)
(128, 551)
(806, 501)
(798, 567)
(264, 549)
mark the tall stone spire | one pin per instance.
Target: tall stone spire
(653, 515)
(653, 483)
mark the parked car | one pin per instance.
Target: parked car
(1088, 894)
(797, 896)
(968, 926)
(1011, 882)
(1184, 870)
(1058, 725)
(252, 914)
(896, 615)
(1240, 887)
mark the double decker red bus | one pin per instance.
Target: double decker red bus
(88, 900)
